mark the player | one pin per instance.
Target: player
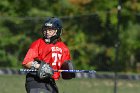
(47, 54)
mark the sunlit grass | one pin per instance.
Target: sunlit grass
(15, 84)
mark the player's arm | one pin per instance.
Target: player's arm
(31, 61)
(44, 69)
(67, 65)
(31, 55)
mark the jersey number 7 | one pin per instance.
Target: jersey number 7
(57, 58)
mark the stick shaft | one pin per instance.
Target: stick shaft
(70, 71)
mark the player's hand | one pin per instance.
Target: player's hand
(44, 70)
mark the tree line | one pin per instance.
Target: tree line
(89, 31)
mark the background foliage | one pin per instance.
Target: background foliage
(89, 31)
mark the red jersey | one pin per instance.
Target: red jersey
(54, 54)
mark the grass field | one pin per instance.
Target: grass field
(15, 84)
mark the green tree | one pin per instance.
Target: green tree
(89, 30)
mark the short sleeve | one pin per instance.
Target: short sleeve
(32, 52)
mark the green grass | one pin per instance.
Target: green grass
(15, 84)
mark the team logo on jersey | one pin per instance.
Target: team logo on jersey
(56, 49)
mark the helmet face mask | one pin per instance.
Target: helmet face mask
(49, 32)
(52, 24)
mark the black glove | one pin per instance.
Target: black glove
(67, 65)
(45, 70)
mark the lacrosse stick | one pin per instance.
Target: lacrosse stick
(70, 71)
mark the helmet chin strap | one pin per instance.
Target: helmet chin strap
(47, 40)
(53, 39)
